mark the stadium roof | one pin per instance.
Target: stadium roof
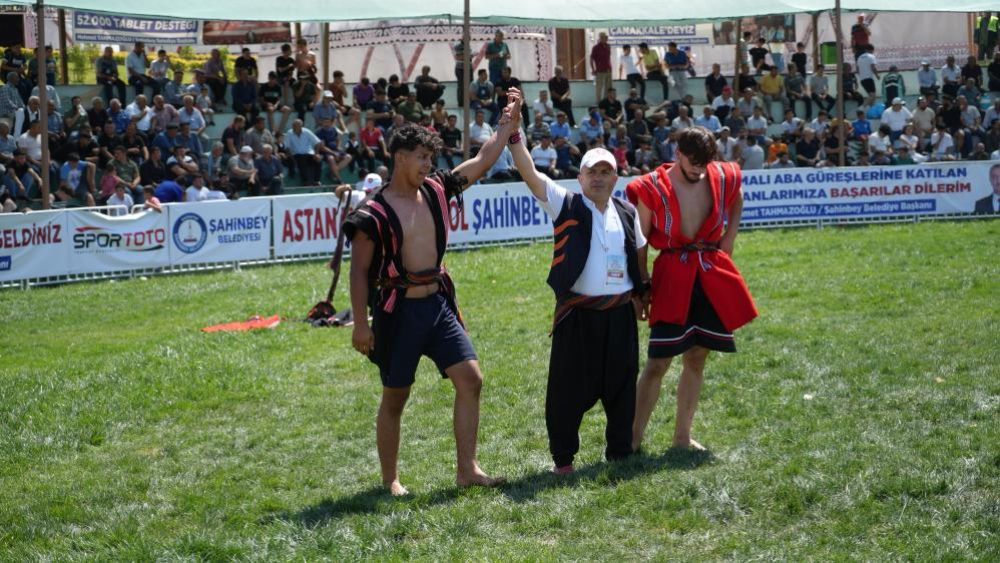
(556, 13)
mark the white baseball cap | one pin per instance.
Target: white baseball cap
(594, 156)
(327, 94)
(246, 148)
(371, 182)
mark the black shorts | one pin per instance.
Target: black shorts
(419, 327)
(869, 85)
(703, 328)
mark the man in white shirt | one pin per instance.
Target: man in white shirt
(595, 275)
(479, 131)
(868, 74)
(896, 117)
(543, 105)
(141, 114)
(630, 70)
(303, 145)
(728, 147)
(752, 157)
(137, 65)
(544, 157)
(120, 203)
(942, 145)
(708, 120)
(951, 77)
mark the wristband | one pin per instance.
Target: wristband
(515, 138)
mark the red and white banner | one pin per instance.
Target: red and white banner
(99, 243)
(306, 224)
(33, 245)
(220, 231)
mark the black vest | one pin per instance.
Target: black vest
(572, 233)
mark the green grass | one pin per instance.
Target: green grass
(126, 434)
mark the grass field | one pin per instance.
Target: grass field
(859, 420)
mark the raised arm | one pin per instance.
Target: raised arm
(474, 168)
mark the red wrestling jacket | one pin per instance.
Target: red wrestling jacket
(682, 260)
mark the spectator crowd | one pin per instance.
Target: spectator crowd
(155, 147)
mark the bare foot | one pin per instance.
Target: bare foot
(689, 445)
(396, 489)
(477, 478)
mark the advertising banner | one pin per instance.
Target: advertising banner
(660, 35)
(306, 224)
(220, 231)
(818, 193)
(91, 27)
(245, 33)
(99, 243)
(33, 245)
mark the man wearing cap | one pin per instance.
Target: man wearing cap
(927, 78)
(691, 212)
(595, 276)
(327, 109)
(412, 297)
(896, 117)
(365, 188)
(243, 173)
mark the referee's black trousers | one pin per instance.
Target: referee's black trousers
(595, 356)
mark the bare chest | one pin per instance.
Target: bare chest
(695, 204)
(419, 250)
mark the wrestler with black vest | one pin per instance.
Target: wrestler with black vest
(595, 277)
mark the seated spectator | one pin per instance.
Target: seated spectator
(152, 202)
(216, 171)
(372, 145)
(861, 126)
(170, 191)
(682, 121)
(205, 105)
(735, 122)
(190, 140)
(153, 171)
(362, 94)
(723, 104)
(832, 147)
(727, 147)
(329, 148)
(896, 117)
(795, 88)
(410, 108)
(8, 144)
(270, 101)
(128, 173)
(134, 143)
(544, 106)
(819, 88)
(880, 141)
(567, 157)
(396, 91)
(880, 158)
(904, 156)
(173, 90)
(244, 94)
(752, 157)
(451, 141)
(119, 203)
(539, 129)
(942, 145)
(381, 111)
(807, 149)
(772, 88)
(820, 124)
(782, 161)
(428, 89)
(96, 116)
(21, 179)
(715, 83)
(259, 135)
(893, 85)
(979, 152)
(304, 146)
(166, 140)
(757, 127)
(777, 146)
(479, 132)
(243, 173)
(439, 115)
(270, 172)
(646, 159)
(482, 94)
(140, 114)
(327, 109)
(107, 75)
(117, 115)
(181, 164)
(708, 120)
(137, 66)
(970, 92)
(612, 111)
(76, 182)
(559, 91)
(638, 128)
(927, 79)
(216, 76)
(304, 97)
(504, 170)
(591, 130)
(791, 127)
(850, 80)
(234, 136)
(544, 158)
(57, 132)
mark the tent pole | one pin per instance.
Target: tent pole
(324, 30)
(43, 103)
(736, 67)
(63, 52)
(840, 82)
(815, 40)
(298, 31)
(467, 72)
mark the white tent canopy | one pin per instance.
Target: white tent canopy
(555, 13)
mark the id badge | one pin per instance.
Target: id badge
(615, 269)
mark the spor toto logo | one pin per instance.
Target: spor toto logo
(190, 233)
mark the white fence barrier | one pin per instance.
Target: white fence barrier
(78, 244)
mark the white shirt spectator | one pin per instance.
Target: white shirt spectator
(711, 123)
(51, 92)
(878, 143)
(628, 64)
(866, 66)
(757, 123)
(927, 78)
(203, 194)
(606, 232)
(753, 158)
(970, 116)
(995, 155)
(544, 108)
(132, 110)
(946, 144)
(992, 115)
(793, 126)
(32, 146)
(720, 102)
(119, 206)
(135, 62)
(819, 126)
(303, 143)
(727, 148)
(479, 134)
(951, 73)
(543, 158)
(679, 124)
(896, 120)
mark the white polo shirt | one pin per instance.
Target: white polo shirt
(607, 245)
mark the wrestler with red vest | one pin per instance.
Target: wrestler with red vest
(398, 238)
(690, 211)
(596, 278)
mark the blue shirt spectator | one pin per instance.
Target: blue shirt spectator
(169, 192)
(557, 129)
